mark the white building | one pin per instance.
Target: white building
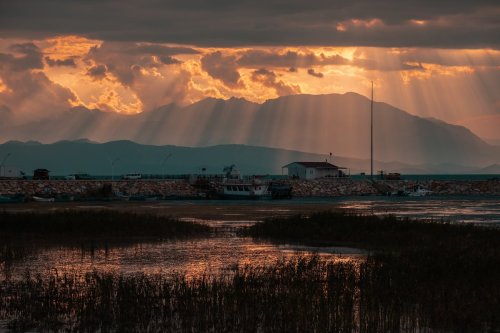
(314, 170)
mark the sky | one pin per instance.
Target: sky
(437, 59)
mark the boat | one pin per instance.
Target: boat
(234, 187)
(245, 189)
(40, 199)
(419, 191)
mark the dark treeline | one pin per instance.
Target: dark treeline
(96, 224)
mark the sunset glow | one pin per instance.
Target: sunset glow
(407, 55)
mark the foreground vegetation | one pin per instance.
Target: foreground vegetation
(27, 233)
(299, 295)
(419, 277)
(98, 224)
(374, 232)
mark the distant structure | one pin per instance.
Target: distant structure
(10, 172)
(314, 170)
(371, 136)
(41, 174)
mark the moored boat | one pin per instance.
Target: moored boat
(41, 199)
(419, 191)
(245, 189)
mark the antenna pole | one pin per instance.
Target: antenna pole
(371, 136)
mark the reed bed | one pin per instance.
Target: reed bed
(297, 295)
(28, 233)
(375, 232)
(101, 224)
(437, 278)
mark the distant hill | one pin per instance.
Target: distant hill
(493, 169)
(67, 157)
(320, 124)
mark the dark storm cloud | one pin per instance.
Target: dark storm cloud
(223, 68)
(69, 62)
(125, 59)
(269, 79)
(312, 72)
(97, 72)
(168, 60)
(449, 24)
(290, 59)
(30, 93)
(24, 57)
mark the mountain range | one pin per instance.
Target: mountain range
(317, 124)
(120, 157)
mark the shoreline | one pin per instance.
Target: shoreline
(182, 189)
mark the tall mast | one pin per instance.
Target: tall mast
(371, 136)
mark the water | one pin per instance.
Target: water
(224, 249)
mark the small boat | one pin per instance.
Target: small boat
(40, 199)
(419, 191)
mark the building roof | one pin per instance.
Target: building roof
(318, 165)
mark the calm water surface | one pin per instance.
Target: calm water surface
(224, 249)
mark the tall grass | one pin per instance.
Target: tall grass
(102, 223)
(298, 295)
(375, 232)
(27, 233)
(420, 277)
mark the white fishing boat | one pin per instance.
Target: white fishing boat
(245, 189)
(419, 191)
(41, 199)
(234, 187)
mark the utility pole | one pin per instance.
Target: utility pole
(112, 162)
(371, 136)
(167, 156)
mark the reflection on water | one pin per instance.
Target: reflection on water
(225, 249)
(470, 210)
(222, 250)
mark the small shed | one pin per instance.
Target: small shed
(314, 170)
(41, 174)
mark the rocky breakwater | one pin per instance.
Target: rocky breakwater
(96, 188)
(331, 187)
(180, 188)
(361, 187)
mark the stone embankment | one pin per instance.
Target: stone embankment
(350, 187)
(301, 188)
(93, 188)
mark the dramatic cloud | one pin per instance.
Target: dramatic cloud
(70, 62)
(168, 60)
(312, 72)
(270, 80)
(25, 56)
(388, 23)
(223, 68)
(126, 60)
(26, 91)
(97, 72)
(290, 59)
